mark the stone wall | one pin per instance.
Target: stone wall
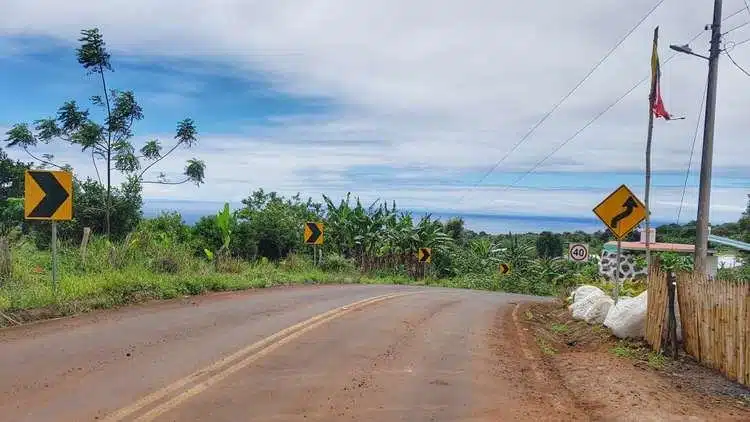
(628, 268)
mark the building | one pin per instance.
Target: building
(629, 267)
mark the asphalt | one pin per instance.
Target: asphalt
(308, 353)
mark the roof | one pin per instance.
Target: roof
(656, 247)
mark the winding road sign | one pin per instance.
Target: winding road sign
(48, 195)
(313, 233)
(621, 212)
(578, 252)
(424, 255)
(504, 268)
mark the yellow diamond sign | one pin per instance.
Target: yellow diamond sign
(621, 212)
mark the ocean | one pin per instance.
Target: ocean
(489, 223)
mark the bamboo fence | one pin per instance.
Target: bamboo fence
(656, 308)
(715, 318)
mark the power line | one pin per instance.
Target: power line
(692, 151)
(590, 122)
(563, 99)
(736, 64)
(747, 6)
(736, 28)
(733, 14)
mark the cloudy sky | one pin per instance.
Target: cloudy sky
(413, 101)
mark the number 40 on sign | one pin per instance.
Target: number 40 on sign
(578, 252)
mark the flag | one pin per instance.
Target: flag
(657, 104)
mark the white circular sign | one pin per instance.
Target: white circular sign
(579, 252)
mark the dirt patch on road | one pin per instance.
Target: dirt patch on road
(609, 379)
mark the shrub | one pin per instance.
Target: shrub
(165, 264)
(295, 262)
(337, 263)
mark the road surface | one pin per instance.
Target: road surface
(325, 353)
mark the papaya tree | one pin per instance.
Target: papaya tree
(108, 141)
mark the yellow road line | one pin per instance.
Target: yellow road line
(224, 367)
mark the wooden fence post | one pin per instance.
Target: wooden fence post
(85, 242)
(6, 264)
(672, 319)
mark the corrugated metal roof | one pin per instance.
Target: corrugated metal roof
(729, 242)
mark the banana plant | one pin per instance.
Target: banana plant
(224, 221)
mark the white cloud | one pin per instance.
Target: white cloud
(444, 86)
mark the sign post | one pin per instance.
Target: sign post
(621, 212)
(313, 235)
(424, 256)
(617, 271)
(48, 196)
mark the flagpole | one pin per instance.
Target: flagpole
(649, 137)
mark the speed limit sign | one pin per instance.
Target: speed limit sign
(578, 252)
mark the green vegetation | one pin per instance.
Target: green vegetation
(260, 245)
(547, 349)
(640, 352)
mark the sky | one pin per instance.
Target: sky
(408, 101)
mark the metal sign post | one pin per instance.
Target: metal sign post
(54, 256)
(617, 271)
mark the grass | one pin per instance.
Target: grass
(146, 268)
(547, 349)
(141, 274)
(624, 350)
(630, 350)
(559, 328)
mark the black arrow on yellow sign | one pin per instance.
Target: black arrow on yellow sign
(629, 206)
(504, 268)
(424, 255)
(313, 233)
(50, 195)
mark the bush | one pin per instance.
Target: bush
(296, 262)
(169, 224)
(229, 264)
(337, 263)
(165, 264)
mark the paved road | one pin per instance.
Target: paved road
(309, 353)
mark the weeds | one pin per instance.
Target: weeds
(547, 349)
(559, 328)
(656, 360)
(623, 350)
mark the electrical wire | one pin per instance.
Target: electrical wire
(590, 122)
(733, 14)
(735, 28)
(737, 65)
(561, 101)
(692, 152)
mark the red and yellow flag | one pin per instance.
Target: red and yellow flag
(657, 104)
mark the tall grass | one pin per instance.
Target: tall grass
(145, 268)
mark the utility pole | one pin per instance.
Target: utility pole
(704, 193)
